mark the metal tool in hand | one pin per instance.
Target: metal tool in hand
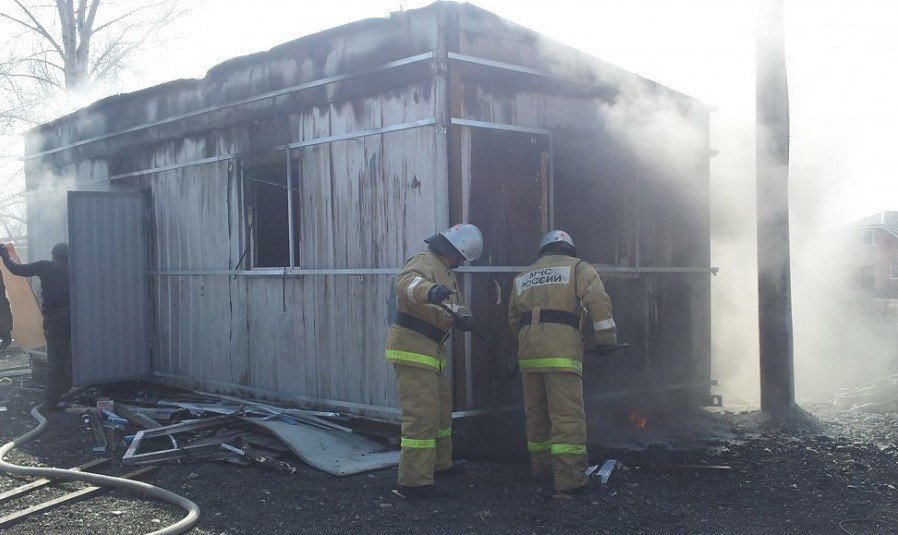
(459, 319)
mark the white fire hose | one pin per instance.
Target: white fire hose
(139, 487)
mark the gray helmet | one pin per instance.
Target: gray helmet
(464, 239)
(61, 249)
(557, 236)
(467, 240)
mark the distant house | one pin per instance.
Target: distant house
(876, 242)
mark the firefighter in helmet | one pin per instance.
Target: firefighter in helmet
(428, 307)
(549, 302)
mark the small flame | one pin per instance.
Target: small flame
(638, 419)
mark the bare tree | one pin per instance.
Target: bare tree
(79, 43)
(59, 54)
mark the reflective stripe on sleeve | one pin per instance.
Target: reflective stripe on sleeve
(411, 287)
(578, 449)
(538, 364)
(443, 433)
(538, 446)
(604, 325)
(404, 357)
(418, 443)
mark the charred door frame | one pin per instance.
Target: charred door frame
(524, 130)
(468, 272)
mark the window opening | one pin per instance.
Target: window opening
(267, 203)
(870, 236)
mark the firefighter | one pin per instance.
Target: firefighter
(54, 277)
(549, 302)
(416, 347)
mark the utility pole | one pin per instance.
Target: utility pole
(772, 167)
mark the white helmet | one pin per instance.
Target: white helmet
(467, 240)
(557, 236)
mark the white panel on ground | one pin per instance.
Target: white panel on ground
(336, 452)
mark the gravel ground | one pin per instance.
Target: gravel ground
(10, 359)
(794, 476)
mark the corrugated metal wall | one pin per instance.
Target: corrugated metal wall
(365, 203)
(110, 298)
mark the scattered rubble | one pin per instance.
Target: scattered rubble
(209, 427)
(879, 396)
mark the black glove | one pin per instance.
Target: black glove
(603, 349)
(3, 252)
(465, 323)
(438, 294)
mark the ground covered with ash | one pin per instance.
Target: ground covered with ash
(803, 474)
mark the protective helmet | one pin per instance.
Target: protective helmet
(61, 249)
(465, 238)
(557, 236)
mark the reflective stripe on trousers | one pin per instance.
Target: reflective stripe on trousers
(557, 437)
(426, 442)
(404, 357)
(556, 449)
(418, 443)
(553, 362)
(425, 398)
(577, 449)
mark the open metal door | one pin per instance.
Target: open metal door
(109, 284)
(509, 201)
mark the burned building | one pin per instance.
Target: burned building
(241, 232)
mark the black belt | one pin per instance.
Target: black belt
(551, 316)
(421, 327)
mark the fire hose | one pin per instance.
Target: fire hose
(139, 487)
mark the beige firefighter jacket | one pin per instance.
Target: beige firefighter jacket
(405, 346)
(559, 282)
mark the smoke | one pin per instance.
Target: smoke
(668, 137)
(734, 295)
(842, 338)
(47, 209)
(660, 129)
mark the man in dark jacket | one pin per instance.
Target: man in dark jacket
(54, 277)
(5, 317)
